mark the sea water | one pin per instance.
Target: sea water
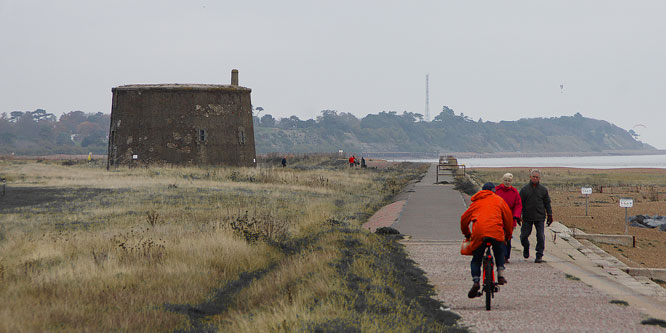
(586, 162)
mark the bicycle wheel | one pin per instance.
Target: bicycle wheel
(488, 282)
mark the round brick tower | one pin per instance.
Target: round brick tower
(184, 124)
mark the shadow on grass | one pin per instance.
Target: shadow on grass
(19, 197)
(219, 303)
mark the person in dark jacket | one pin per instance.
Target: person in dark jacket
(536, 209)
(284, 162)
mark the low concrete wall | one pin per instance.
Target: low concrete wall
(652, 273)
(626, 240)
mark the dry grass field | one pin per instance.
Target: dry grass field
(230, 249)
(647, 187)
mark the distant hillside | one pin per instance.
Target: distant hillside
(41, 133)
(391, 132)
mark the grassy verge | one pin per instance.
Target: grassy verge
(233, 249)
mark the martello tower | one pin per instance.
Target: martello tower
(185, 124)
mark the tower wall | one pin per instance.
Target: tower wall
(181, 124)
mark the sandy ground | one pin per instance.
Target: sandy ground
(606, 217)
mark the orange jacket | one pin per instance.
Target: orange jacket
(491, 217)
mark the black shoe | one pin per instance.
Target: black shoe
(538, 260)
(474, 291)
(526, 252)
(501, 280)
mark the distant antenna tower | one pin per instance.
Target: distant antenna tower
(427, 106)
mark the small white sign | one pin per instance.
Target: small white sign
(626, 202)
(586, 190)
(135, 157)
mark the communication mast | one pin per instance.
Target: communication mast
(427, 105)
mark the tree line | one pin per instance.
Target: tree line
(39, 132)
(390, 131)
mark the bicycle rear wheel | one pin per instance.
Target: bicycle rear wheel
(488, 282)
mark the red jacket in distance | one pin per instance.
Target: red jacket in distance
(512, 198)
(351, 160)
(491, 217)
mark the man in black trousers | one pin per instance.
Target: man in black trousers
(536, 209)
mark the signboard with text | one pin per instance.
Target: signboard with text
(586, 190)
(626, 202)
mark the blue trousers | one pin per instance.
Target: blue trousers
(498, 251)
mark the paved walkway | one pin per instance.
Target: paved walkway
(572, 292)
(432, 211)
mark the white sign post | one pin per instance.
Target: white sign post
(586, 191)
(626, 203)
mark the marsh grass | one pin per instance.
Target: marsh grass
(465, 185)
(571, 277)
(655, 322)
(250, 249)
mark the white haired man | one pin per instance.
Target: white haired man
(536, 209)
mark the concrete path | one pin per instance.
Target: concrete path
(432, 211)
(575, 291)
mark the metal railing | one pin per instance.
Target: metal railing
(453, 168)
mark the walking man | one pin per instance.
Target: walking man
(536, 209)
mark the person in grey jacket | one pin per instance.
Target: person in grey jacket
(536, 209)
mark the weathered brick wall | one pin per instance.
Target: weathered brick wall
(181, 124)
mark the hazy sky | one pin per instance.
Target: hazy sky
(496, 60)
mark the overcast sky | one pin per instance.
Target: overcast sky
(495, 60)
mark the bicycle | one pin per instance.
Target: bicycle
(490, 285)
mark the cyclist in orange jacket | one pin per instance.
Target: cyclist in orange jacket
(491, 217)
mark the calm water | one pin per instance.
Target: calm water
(589, 162)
